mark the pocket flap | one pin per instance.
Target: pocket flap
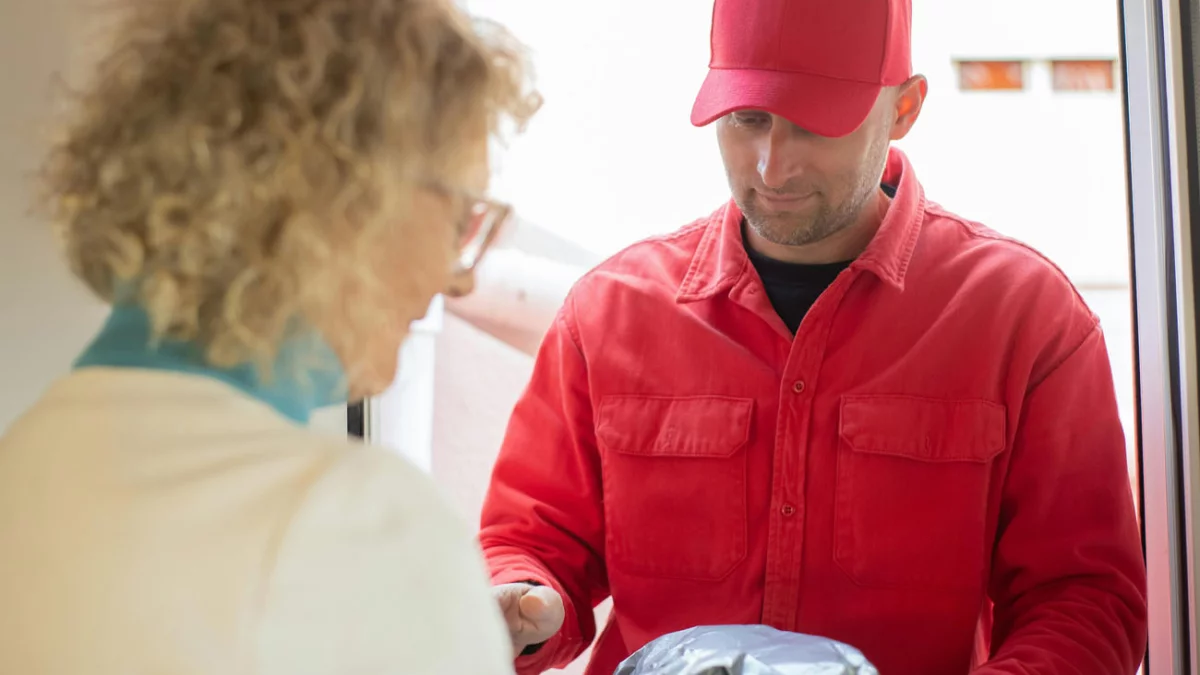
(924, 429)
(689, 426)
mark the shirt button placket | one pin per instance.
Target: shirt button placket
(779, 609)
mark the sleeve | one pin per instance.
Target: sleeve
(543, 518)
(376, 575)
(1069, 579)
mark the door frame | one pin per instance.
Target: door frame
(1156, 76)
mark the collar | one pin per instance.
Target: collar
(720, 260)
(306, 374)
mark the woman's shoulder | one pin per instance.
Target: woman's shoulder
(372, 497)
(368, 497)
(374, 487)
(379, 574)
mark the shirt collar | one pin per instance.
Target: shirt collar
(720, 259)
(305, 376)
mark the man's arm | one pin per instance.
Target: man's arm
(543, 519)
(1068, 578)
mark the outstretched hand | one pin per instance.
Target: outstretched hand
(534, 614)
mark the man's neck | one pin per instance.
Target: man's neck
(845, 244)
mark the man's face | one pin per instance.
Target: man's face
(795, 187)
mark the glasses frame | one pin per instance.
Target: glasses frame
(494, 217)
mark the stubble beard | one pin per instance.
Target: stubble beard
(825, 220)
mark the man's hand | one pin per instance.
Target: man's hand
(533, 613)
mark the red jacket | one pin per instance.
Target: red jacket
(941, 435)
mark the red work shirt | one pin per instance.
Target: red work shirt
(938, 444)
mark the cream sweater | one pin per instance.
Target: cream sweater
(159, 523)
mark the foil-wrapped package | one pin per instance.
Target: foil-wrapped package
(745, 650)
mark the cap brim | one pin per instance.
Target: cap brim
(824, 106)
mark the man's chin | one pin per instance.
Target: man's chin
(783, 231)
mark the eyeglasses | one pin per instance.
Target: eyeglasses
(482, 222)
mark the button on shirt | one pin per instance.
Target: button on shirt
(930, 468)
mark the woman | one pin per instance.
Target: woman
(268, 192)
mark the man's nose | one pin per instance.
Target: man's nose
(778, 156)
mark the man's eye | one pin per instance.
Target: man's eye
(745, 119)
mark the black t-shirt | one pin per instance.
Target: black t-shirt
(794, 287)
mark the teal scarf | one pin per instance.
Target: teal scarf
(293, 389)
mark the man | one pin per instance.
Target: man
(831, 407)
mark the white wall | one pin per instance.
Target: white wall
(45, 316)
(1045, 167)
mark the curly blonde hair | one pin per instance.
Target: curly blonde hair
(229, 155)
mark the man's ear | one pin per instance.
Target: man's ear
(910, 98)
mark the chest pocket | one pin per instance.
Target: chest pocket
(912, 493)
(674, 484)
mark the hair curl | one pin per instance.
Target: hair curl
(228, 153)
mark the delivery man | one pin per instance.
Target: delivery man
(831, 407)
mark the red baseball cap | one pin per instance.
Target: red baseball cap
(817, 63)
